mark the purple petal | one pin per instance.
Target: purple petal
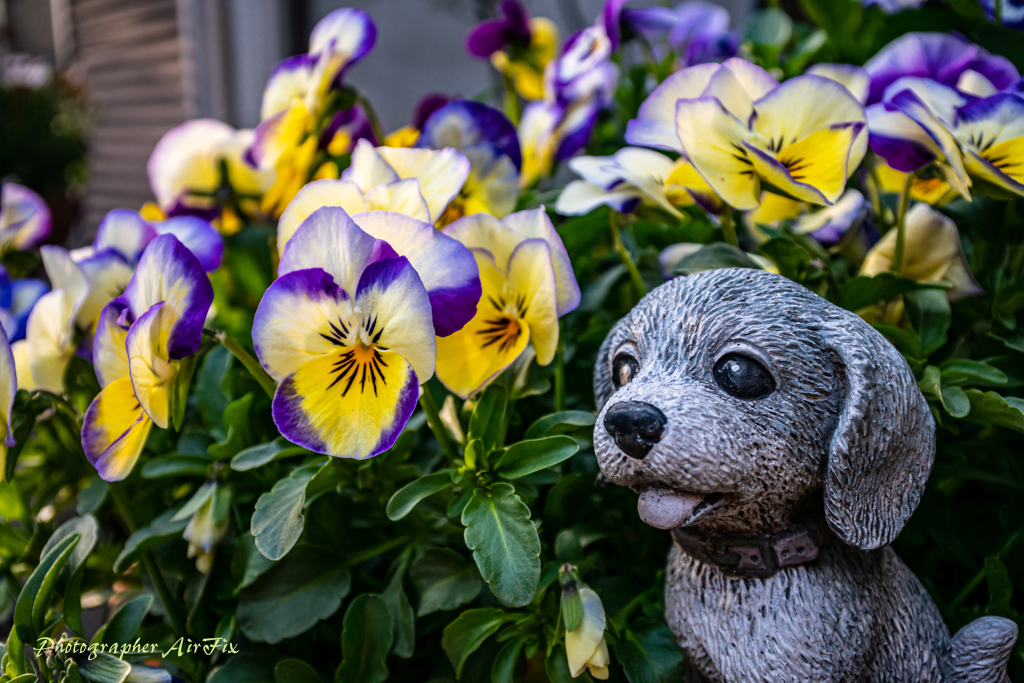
(611, 20)
(650, 22)
(578, 135)
(462, 123)
(125, 231)
(22, 295)
(198, 236)
(518, 20)
(347, 32)
(25, 219)
(487, 37)
(427, 105)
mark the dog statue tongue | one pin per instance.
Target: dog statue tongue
(666, 509)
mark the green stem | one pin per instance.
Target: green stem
(250, 363)
(615, 220)
(729, 226)
(371, 114)
(435, 424)
(166, 597)
(512, 109)
(560, 370)
(901, 219)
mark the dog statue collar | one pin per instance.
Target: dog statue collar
(754, 556)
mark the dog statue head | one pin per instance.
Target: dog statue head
(733, 399)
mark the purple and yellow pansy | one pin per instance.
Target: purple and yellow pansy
(25, 219)
(518, 46)
(141, 340)
(348, 328)
(528, 284)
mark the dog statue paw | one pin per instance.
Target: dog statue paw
(785, 444)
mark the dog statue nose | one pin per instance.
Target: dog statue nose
(635, 426)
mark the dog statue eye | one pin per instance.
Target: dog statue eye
(624, 368)
(743, 377)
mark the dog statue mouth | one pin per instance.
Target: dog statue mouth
(666, 508)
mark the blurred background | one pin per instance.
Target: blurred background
(96, 83)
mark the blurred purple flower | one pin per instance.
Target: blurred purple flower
(1012, 12)
(943, 57)
(511, 26)
(893, 6)
(585, 67)
(697, 30)
(427, 105)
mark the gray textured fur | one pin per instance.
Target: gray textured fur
(846, 430)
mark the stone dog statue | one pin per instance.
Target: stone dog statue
(785, 443)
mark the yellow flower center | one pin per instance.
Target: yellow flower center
(362, 360)
(505, 326)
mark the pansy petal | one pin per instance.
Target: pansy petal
(580, 197)
(368, 168)
(22, 366)
(115, 430)
(25, 218)
(198, 236)
(713, 141)
(8, 388)
(492, 185)
(182, 160)
(898, 139)
(109, 354)
(169, 273)
(151, 374)
(829, 225)
(290, 79)
(49, 338)
(856, 79)
(446, 267)
(992, 129)
(126, 231)
(66, 276)
(601, 171)
(346, 33)
(813, 169)
(401, 196)
(441, 173)
(737, 84)
(331, 240)
(303, 315)
(973, 83)
(649, 171)
(655, 124)
(943, 101)
(348, 406)
(24, 293)
(911, 105)
(316, 195)
(107, 274)
(463, 123)
(394, 313)
(473, 356)
(535, 223)
(530, 274)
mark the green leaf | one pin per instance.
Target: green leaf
(955, 401)
(295, 671)
(403, 621)
(245, 668)
(504, 669)
(210, 396)
(863, 290)
(527, 457)
(485, 423)
(989, 408)
(445, 580)
(197, 501)
(560, 423)
(236, 422)
(24, 678)
(92, 496)
(712, 256)
(365, 641)
(105, 669)
(291, 598)
(159, 531)
(504, 542)
(468, 632)
(15, 653)
(649, 654)
(964, 370)
(88, 530)
(278, 521)
(261, 454)
(125, 622)
(407, 497)
(1000, 587)
(30, 610)
(256, 564)
(179, 389)
(929, 314)
(175, 465)
(72, 605)
(793, 261)
(557, 667)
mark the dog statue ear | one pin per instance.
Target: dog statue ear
(884, 442)
(603, 388)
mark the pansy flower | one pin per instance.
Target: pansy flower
(698, 31)
(800, 140)
(17, 298)
(1010, 12)
(199, 167)
(550, 132)
(585, 68)
(585, 646)
(8, 388)
(489, 141)
(527, 282)
(347, 331)
(946, 58)
(141, 340)
(416, 182)
(631, 177)
(25, 219)
(297, 99)
(921, 122)
(517, 45)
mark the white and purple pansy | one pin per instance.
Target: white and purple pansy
(585, 68)
(847, 222)
(943, 57)
(129, 233)
(25, 219)
(140, 341)
(348, 336)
